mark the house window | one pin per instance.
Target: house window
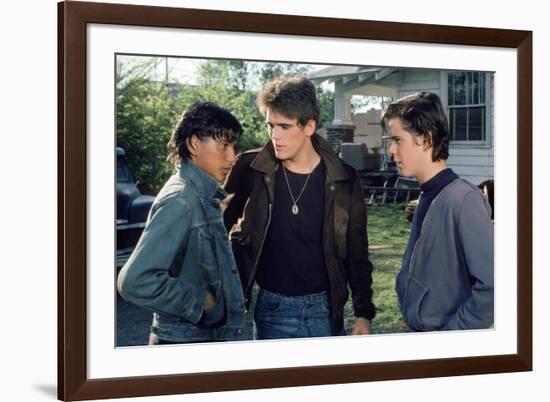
(467, 106)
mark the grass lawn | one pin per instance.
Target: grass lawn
(388, 231)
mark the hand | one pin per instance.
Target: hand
(153, 339)
(362, 327)
(209, 301)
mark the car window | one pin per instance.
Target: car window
(122, 173)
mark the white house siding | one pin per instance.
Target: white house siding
(473, 164)
(368, 129)
(414, 81)
(476, 163)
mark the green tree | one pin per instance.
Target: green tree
(234, 75)
(230, 84)
(326, 103)
(269, 71)
(362, 103)
(148, 110)
(146, 115)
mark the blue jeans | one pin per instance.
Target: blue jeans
(277, 316)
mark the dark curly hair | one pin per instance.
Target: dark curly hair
(203, 119)
(422, 114)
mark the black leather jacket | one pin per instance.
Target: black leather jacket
(247, 215)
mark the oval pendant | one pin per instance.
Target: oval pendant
(295, 209)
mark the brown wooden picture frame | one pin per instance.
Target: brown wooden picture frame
(73, 17)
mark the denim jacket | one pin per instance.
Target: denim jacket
(183, 252)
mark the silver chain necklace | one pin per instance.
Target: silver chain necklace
(295, 209)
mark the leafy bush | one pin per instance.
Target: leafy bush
(147, 110)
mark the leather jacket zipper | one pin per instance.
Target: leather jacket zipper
(255, 268)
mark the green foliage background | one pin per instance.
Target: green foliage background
(148, 110)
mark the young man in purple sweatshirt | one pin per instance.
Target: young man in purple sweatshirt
(446, 280)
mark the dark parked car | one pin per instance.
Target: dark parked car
(132, 208)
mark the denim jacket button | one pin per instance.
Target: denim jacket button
(332, 187)
(267, 179)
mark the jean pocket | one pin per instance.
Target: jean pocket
(324, 305)
(267, 303)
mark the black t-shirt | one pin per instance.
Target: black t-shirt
(292, 261)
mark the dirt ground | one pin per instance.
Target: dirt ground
(132, 324)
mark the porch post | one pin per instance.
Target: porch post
(342, 127)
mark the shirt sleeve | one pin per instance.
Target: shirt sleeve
(359, 266)
(145, 279)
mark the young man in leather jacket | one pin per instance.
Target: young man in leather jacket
(297, 223)
(182, 268)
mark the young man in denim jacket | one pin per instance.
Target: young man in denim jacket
(182, 268)
(446, 280)
(298, 223)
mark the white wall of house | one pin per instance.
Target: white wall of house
(368, 129)
(473, 162)
(413, 81)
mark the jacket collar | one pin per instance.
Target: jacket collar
(206, 186)
(266, 162)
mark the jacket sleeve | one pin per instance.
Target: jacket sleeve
(359, 267)
(238, 186)
(145, 279)
(476, 234)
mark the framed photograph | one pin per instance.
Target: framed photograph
(95, 37)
